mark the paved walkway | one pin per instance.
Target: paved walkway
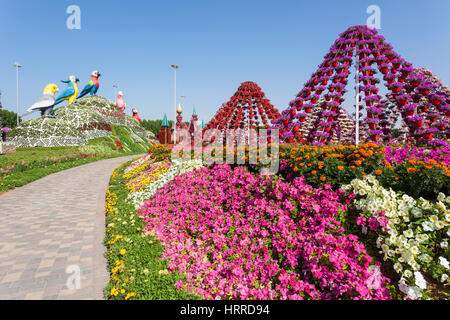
(53, 225)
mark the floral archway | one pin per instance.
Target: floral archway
(419, 101)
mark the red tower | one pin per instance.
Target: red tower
(165, 132)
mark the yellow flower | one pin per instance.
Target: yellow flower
(123, 251)
(131, 294)
(114, 291)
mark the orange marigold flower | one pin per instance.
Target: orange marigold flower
(378, 172)
(313, 172)
(340, 168)
(411, 170)
(322, 178)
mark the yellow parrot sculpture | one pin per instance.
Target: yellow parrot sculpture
(71, 92)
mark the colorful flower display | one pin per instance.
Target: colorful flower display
(417, 171)
(413, 234)
(334, 223)
(247, 108)
(151, 186)
(405, 86)
(238, 236)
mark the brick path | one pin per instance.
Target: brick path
(52, 224)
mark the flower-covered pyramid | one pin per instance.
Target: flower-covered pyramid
(247, 108)
(420, 102)
(345, 124)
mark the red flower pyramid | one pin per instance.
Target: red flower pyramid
(248, 107)
(419, 101)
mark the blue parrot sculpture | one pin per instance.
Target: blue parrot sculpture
(71, 92)
(92, 85)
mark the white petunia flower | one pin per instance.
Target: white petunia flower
(408, 233)
(439, 225)
(419, 280)
(447, 217)
(415, 266)
(444, 262)
(407, 274)
(444, 277)
(441, 196)
(427, 226)
(414, 293)
(426, 205)
(434, 218)
(416, 212)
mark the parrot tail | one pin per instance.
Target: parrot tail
(58, 101)
(82, 95)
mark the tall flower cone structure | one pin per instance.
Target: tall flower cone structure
(409, 94)
(247, 108)
(345, 125)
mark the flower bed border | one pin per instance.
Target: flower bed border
(132, 255)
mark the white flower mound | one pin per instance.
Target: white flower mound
(178, 167)
(408, 237)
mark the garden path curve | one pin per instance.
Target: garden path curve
(53, 224)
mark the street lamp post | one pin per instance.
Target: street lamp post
(357, 99)
(17, 66)
(175, 67)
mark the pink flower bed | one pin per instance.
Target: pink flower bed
(399, 155)
(239, 236)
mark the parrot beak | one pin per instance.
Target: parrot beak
(99, 74)
(77, 80)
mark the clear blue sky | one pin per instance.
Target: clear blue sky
(218, 45)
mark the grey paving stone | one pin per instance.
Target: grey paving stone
(55, 215)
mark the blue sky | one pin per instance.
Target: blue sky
(217, 44)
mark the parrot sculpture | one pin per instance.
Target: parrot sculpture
(135, 114)
(71, 92)
(120, 103)
(46, 102)
(92, 85)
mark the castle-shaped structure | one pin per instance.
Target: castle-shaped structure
(194, 127)
(165, 132)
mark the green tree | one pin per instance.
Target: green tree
(9, 119)
(154, 125)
